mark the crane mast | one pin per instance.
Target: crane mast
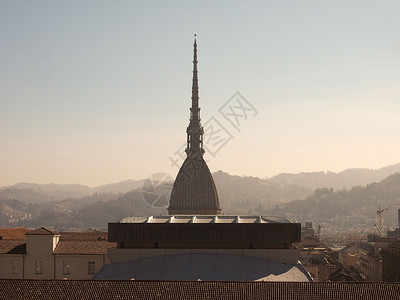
(380, 225)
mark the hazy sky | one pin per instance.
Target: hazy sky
(94, 92)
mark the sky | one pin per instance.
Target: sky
(94, 92)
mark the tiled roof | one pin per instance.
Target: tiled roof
(134, 289)
(13, 233)
(349, 245)
(42, 231)
(84, 236)
(12, 247)
(83, 247)
(340, 274)
(74, 243)
(204, 219)
(309, 243)
(395, 244)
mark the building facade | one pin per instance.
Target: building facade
(369, 259)
(46, 254)
(203, 247)
(391, 262)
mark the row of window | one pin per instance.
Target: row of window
(91, 267)
(66, 267)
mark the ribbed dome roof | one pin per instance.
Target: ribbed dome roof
(194, 189)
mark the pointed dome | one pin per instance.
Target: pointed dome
(194, 190)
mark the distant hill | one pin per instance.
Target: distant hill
(36, 193)
(347, 207)
(346, 179)
(76, 214)
(51, 187)
(239, 194)
(119, 187)
(325, 206)
(93, 214)
(283, 187)
(302, 197)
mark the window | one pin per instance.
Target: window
(38, 267)
(15, 266)
(66, 265)
(91, 268)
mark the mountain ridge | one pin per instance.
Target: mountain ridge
(34, 192)
(337, 210)
(344, 179)
(280, 188)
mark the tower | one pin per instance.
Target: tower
(194, 190)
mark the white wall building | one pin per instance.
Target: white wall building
(46, 254)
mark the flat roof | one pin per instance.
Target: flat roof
(224, 219)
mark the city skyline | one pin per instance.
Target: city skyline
(99, 93)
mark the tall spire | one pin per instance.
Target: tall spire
(195, 83)
(195, 130)
(194, 190)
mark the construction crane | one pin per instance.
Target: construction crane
(380, 231)
(380, 225)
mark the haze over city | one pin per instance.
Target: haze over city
(93, 92)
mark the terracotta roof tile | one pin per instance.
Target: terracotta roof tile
(135, 289)
(395, 244)
(83, 247)
(84, 236)
(12, 247)
(42, 231)
(13, 233)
